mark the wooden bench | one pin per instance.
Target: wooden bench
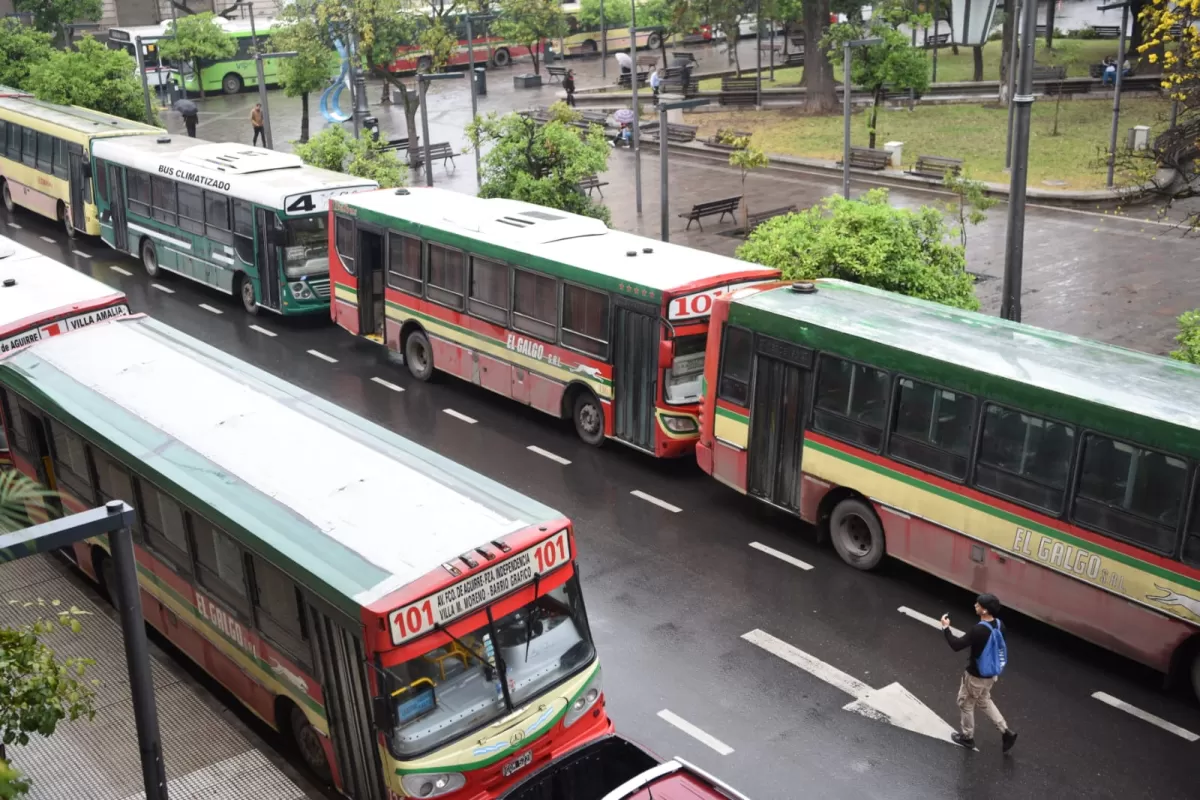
(795, 59)
(396, 144)
(717, 140)
(729, 205)
(647, 62)
(592, 182)
(593, 118)
(756, 218)
(683, 55)
(1063, 88)
(940, 40)
(936, 167)
(1042, 74)
(556, 72)
(866, 158)
(442, 150)
(623, 79)
(676, 132)
(1107, 31)
(1141, 83)
(738, 91)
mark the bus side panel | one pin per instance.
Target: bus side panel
(493, 374)
(449, 357)
(32, 198)
(546, 394)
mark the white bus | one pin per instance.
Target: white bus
(247, 221)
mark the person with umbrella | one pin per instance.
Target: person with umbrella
(624, 118)
(191, 115)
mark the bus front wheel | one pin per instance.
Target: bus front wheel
(64, 216)
(150, 258)
(857, 534)
(501, 58)
(9, 205)
(418, 356)
(246, 290)
(589, 418)
(308, 744)
(232, 83)
(590, 47)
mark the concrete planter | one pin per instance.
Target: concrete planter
(527, 81)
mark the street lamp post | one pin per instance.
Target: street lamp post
(1116, 114)
(603, 44)
(141, 64)
(664, 173)
(846, 48)
(262, 79)
(758, 55)
(423, 81)
(474, 97)
(1014, 245)
(1012, 78)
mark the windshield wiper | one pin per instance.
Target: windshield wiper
(500, 663)
(489, 671)
(537, 579)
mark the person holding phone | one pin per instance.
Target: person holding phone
(989, 655)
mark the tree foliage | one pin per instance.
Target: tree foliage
(971, 205)
(194, 37)
(438, 43)
(93, 76)
(746, 157)
(13, 783)
(336, 150)
(529, 22)
(21, 47)
(1180, 65)
(616, 14)
(53, 16)
(315, 61)
(1188, 337)
(869, 242)
(541, 164)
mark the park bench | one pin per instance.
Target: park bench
(794, 59)
(938, 40)
(396, 144)
(717, 140)
(676, 132)
(1141, 83)
(623, 79)
(756, 218)
(936, 167)
(592, 182)
(1043, 73)
(556, 72)
(1107, 31)
(673, 82)
(589, 118)
(442, 151)
(712, 208)
(891, 94)
(738, 91)
(868, 158)
(683, 56)
(1065, 88)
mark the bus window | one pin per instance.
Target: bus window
(932, 427)
(163, 192)
(446, 276)
(140, 195)
(1130, 492)
(535, 304)
(850, 403)
(345, 243)
(1191, 542)
(736, 363)
(1024, 458)
(404, 265)
(222, 569)
(489, 290)
(191, 209)
(113, 483)
(71, 462)
(45, 158)
(29, 147)
(14, 142)
(61, 162)
(162, 521)
(3, 138)
(102, 181)
(585, 320)
(243, 230)
(306, 250)
(216, 217)
(277, 607)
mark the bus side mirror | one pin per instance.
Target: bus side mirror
(87, 169)
(666, 353)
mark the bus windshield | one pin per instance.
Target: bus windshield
(686, 375)
(450, 691)
(307, 246)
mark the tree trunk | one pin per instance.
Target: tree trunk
(385, 94)
(820, 96)
(1050, 24)
(304, 118)
(874, 117)
(199, 80)
(1057, 103)
(1007, 31)
(978, 75)
(533, 52)
(411, 99)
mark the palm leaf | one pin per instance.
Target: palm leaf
(17, 493)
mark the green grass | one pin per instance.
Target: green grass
(974, 133)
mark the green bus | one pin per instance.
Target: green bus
(246, 221)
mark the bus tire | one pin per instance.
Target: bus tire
(653, 41)
(64, 216)
(502, 58)
(150, 258)
(588, 416)
(418, 356)
(590, 46)
(857, 534)
(307, 741)
(246, 292)
(9, 205)
(232, 83)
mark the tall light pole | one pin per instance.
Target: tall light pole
(664, 173)
(1012, 76)
(1014, 245)
(846, 48)
(1116, 114)
(633, 83)
(758, 48)
(423, 81)
(262, 79)
(474, 98)
(603, 43)
(141, 64)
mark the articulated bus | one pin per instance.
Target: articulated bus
(416, 629)
(549, 308)
(247, 221)
(1059, 473)
(45, 152)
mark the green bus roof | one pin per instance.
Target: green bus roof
(1124, 393)
(75, 118)
(349, 508)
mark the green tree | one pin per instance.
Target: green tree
(541, 164)
(745, 157)
(53, 16)
(971, 205)
(93, 76)
(894, 63)
(336, 150)
(21, 47)
(530, 22)
(1188, 337)
(12, 783)
(674, 17)
(196, 37)
(868, 241)
(438, 43)
(310, 69)
(616, 14)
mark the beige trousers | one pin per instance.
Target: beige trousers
(977, 692)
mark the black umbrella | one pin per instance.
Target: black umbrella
(186, 107)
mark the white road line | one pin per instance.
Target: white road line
(457, 415)
(162, 288)
(549, 455)
(694, 732)
(48, 239)
(81, 254)
(264, 331)
(811, 664)
(388, 384)
(322, 356)
(771, 551)
(649, 498)
(1170, 727)
(14, 225)
(121, 271)
(928, 620)
(210, 309)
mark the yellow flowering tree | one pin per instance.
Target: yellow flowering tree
(1172, 36)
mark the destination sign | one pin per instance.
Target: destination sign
(62, 326)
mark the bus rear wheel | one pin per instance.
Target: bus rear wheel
(308, 744)
(64, 216)
(150, 258)
(857, 534)
(9, 205)
(590, 47)
(246, 291)
(232, 83)
(589, 418)
(653, 41)
(418, 356)
(501, 58)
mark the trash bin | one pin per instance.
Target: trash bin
(371, 125)
(173, 93)
(480, 81)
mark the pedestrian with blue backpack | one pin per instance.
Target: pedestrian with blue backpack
(989, 656)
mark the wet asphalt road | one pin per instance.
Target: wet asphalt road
(670, 594)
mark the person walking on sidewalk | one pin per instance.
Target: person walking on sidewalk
(256, 121)
(989, 655)
(568, 84)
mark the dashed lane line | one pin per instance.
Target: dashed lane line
(547, 454)
(928, 620)
(696, 733)
(121, 271)
(771, 551)
(48, 240)
(649, 498)
(14, 225)
(161, 288)
(457, 415)
(388, 384)
(210, 309)
(81, 254)
(1170, 727)
(264, 331)
(322, 356)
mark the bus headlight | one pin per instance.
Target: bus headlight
(432, 784)
(680, 424)
(586, 699)
(301, 291)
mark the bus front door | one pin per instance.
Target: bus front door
(635, 373)
(267, 261)
(777, 426)
(370, 284)
(116, 205)
(78, 179)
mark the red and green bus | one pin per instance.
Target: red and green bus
(552, 309)
(1059, 473)
(416, 629)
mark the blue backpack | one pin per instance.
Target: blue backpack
(994, 657)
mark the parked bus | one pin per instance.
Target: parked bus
(44, 154)
(416, 629)
(245, 220)
(500, 52)
(551, 309)
(1059, 473)
(585, 37)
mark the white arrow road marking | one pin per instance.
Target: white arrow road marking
(1146, 715)
(892, 704)
(388, 384)
(928, 620)
(771, 551)
(121, 271)
(696, 733)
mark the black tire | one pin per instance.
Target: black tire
(502, 58)
(418, 356)
(64, 217)
(232, 83)
(9, 205)
(246, 293)
(424, 64)
(307, 742)
(857, 534)
(590, 47)
(150, 258)
(653, 41)
(588, 415)
(107, 573)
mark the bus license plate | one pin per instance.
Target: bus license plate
(518, 763)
